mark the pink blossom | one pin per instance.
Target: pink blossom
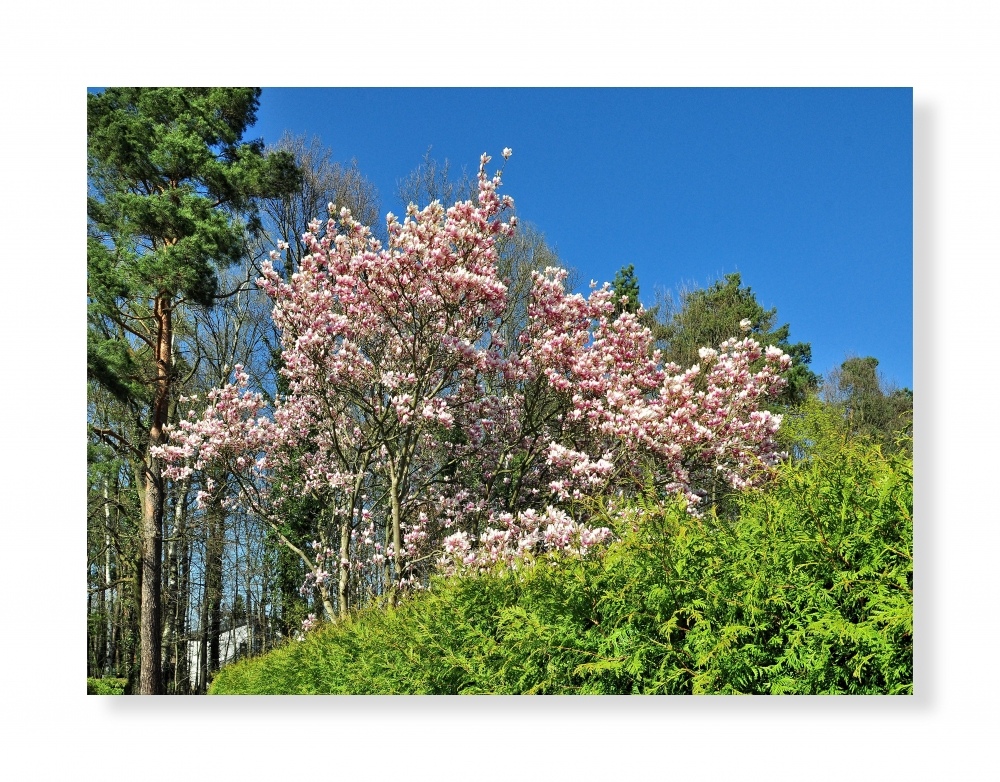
(408, 409)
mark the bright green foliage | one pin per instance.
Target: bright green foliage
(814, 593)
(809, 590)
(106, 686)
(505, 633)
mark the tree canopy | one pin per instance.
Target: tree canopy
(871, 407)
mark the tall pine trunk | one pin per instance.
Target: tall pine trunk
(150, 667)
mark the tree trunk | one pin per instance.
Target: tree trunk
(131, 626)
(152, 550)
(343, 565)
(397, 537)
(171, 629)
(328, 609)
(114, 638)
(213, 580)
(182, 674)
(150, 671)
(203, 643)
(110, 598)
(263, 638)
(92, 634)
(385, 560)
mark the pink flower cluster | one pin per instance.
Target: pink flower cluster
(517, 538)
(229, 430)
(624, 403)
(308, 624)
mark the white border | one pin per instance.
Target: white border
(945, 52)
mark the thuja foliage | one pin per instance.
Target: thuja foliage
(808, 589)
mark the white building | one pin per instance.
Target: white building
(233, 645)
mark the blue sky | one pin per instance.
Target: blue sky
(807, 193)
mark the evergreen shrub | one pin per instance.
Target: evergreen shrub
(807, 588)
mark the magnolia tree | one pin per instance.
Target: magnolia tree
(421, 433)
(382, 349)
(619, 410)
(624, 403)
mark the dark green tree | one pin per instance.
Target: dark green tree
(705, 317)
(171, 198)
(626, 290)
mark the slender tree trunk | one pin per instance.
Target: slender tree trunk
(150, 670)
(397, 537)
(110, 600)
(182, 674)
(260, 620)
(114, 639)
(385, 561)
(261, 624)
(213, 581)
(343, 565)
(168, 600)
(92, 639)
(203, 643)
(133, 629)
(171, 631)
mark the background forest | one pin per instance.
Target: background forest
(800, 582)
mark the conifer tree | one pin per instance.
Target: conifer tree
(727, 309)
(171, 196)
(871, 406)
(626, 288)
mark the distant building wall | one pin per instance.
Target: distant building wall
(233, 644)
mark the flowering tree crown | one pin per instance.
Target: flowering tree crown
(426, 435)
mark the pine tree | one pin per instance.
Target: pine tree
(171, 196)
(707, 316)
(626, 288)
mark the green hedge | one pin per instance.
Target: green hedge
(808, 590)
